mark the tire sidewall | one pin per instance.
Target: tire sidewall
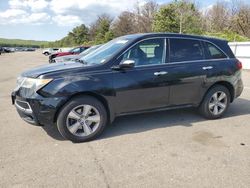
(62, 118)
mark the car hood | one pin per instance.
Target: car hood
(36, 72)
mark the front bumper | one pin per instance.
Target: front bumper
(37, 110)
(24, 110)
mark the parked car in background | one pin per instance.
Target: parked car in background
(128, 75)
(75, 57)
(74, 51)
(19, 49)
(30, 49)
(6, 50)
(12, 49)
(50, 51)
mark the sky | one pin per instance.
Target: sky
(52, 19)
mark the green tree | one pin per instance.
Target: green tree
(108, 36)
(165, 19)
(102, 29)
(79, 35)
(189, 17)
(178, 16)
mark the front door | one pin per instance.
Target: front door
(145, 86)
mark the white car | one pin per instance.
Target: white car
(49, 51)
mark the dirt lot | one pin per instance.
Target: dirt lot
(167, 149)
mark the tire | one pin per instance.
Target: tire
(208, 106)
(68, 121)
(46, 53)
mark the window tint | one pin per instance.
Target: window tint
(147, 52)
(185, 50)
(214, 52)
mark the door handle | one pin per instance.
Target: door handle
(160, 73)
(207, 68)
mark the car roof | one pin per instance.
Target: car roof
(175, 35)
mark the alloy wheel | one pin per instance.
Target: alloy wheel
(218, 103)
(83, 120)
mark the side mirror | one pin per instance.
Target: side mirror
(127, 64)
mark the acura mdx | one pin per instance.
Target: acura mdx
(131, 74)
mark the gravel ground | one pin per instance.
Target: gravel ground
(166, 149)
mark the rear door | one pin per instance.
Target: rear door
(186, 73)
(218, 63)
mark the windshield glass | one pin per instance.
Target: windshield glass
(75, 50)
(91, 49)
(105, 52)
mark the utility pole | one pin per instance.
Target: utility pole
(181, 15)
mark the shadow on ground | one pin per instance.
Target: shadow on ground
(146, 122)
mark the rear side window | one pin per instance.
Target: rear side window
(214, 52)
(185, 50)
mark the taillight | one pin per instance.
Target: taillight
(239, 65)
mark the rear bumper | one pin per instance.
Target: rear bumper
(239, 88)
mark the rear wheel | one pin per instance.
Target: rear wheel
(82, 119)
(215, 103)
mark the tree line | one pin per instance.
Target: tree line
(225, 19)
(21, 43)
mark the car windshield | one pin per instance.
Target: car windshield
(102, 54)
(88, 51)
(74, 50)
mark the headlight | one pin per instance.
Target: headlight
(34, 83)
(19, 82)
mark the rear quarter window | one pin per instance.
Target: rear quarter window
(214, 52)
(186, 50)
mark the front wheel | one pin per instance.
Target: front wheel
(215, 103)
(82, 119)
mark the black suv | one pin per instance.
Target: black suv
(130, 74)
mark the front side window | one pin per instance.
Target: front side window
(214, 52)
(147, 52)
(185, 50)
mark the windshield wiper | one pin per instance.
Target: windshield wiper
(81, 61)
